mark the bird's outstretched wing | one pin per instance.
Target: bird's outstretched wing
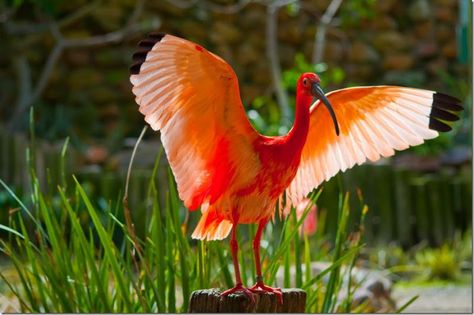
(192, 97)
(374, 121)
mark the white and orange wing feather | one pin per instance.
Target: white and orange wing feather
(374, 121)
(192, 97)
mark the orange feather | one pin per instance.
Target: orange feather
(234, 174)
(374, 121)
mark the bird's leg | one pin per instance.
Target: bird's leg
(260, 286)
(234, 246)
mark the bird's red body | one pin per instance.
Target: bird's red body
(277, 161)
(235, 175)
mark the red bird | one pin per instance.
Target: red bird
(235, 175)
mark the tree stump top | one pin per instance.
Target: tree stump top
(210, 301)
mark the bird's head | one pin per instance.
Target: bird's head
(308, 84)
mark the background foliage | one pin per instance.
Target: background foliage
(69, 61)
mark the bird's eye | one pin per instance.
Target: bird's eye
(305, 82)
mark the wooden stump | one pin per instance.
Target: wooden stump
(210, 301)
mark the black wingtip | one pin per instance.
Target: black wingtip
(135, 68)
(445, 108)
(439, 125)
(145, 46)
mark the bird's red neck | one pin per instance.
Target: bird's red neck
(296, 138)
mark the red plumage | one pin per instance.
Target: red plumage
(235, 175)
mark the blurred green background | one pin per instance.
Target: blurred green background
(69, 61)
(64, 80)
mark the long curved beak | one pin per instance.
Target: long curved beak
(319, 94)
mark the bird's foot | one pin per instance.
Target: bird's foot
(261, 287)
(239, 288)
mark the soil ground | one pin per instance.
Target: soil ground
(440, 299)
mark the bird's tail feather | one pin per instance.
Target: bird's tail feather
(212, 227)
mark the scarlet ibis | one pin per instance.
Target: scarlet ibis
(235, 175)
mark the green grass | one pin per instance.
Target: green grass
(422, 265)
(72, 254)
(64, 265)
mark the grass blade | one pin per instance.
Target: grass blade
(408, 303)
(10, 230)
(22, 205)
(109, 249)
(224, 264)
(332, 267)
(331, 289)
(97, 279)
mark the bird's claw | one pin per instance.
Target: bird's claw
(261, 287)
(240, 288)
